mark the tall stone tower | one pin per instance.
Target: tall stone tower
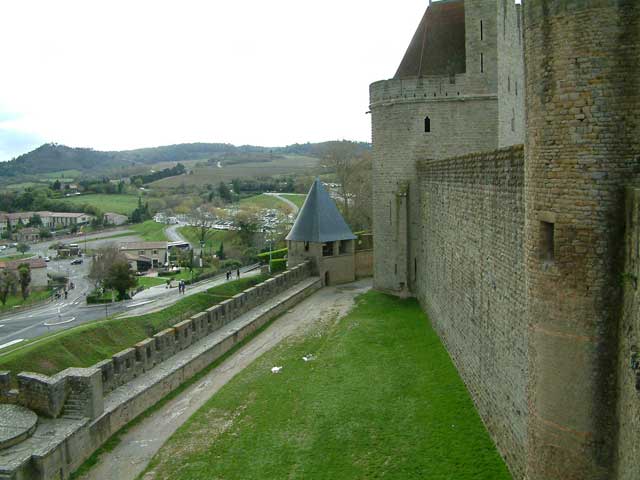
(583, 138)
(457, 90)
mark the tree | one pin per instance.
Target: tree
(236, 183)
(46, 233)
(23, 247)
(8, 282)
(225, 193)
(248, 223)
(102, 261)
(220, 252)
(35, 221)
(120, 278)
(24, 277)
(56, 185)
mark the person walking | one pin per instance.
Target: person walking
(238, 273)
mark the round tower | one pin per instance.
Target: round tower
(582, 95)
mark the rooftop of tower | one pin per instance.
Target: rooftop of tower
(438, 46)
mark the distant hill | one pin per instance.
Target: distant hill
(53, 157)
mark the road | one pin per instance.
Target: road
(285, 200)
(73, 311)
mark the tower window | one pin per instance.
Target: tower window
(516, 88)
(306, 246)
(482, 63)
(547, 250)
(481, 31)
(427, 124)
(509, 84)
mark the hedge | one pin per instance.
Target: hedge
(278, 265)
(275, 254)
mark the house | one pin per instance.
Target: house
(28, 235)
(38, 267)
(155, 252)
(115, 219)
(50, 220)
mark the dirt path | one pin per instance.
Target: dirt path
(285, 200)
(140, 444)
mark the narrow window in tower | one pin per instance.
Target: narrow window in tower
(509, 84)
(415, 268)
(482, 63)
(516, 88)
(427, 124)
(547, 250)
(481, 31)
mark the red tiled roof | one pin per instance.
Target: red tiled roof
(438, 46)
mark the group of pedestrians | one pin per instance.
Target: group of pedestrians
(230, 274)
(182, 287)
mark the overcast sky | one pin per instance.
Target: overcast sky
(127, 74)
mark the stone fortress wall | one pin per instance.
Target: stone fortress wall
(526, 257)
(472, 282)
(81, 408)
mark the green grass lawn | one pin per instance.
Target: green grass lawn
(298, 199)
(213, 239)
(90, 343)
(14, 301)
(150, 231)
(118, 203)
(151, 281)
(19, 256)
(380, 399)
(265, 202)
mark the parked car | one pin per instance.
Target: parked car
(47, 259)
(77, 261)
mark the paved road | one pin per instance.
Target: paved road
(285, 200)
(139, 444)
(62, 314)
(173, 235)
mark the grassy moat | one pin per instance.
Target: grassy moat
(380, 398)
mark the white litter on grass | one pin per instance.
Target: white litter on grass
(308, 357)
(276, 369)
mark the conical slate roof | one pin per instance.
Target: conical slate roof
(438, 46)
(319, 220)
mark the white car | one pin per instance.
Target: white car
(3, 247)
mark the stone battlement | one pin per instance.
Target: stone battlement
(81, 408)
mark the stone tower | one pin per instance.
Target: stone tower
(321, 235)
(583, 138)
(457, 90)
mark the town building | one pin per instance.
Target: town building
(157, 253)
(28, 235)
(115, 219)
(38, 266)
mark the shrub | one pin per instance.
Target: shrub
(275, 254)
(278, 265)
(230, 264)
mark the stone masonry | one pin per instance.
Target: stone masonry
(525, 259)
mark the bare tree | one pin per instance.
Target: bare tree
(352, 168)
(102, 262)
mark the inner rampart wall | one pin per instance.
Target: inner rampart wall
(470, 280)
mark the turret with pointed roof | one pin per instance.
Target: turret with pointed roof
(321, 235)
(319, 219)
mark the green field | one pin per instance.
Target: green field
(213, 238)
(212, 175)
(124, 204)
(296, 198)
(150, 231)
(87, 344)
(14, 301)
(265, 202)
(380, 399)
(62, 175)
(18, 256)
(147, 282)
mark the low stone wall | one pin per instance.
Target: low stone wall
(104, 398)
(364, 263)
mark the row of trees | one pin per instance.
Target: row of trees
(10, 281)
